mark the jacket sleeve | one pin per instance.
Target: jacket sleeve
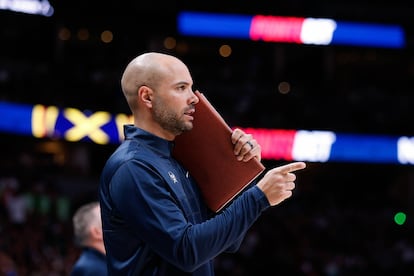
(152, 212)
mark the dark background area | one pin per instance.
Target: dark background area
(340, 220)
(352, 89)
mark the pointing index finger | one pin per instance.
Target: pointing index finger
(292, 167)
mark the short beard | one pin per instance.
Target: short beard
(169, 120)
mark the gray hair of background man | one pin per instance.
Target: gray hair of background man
(83, 219)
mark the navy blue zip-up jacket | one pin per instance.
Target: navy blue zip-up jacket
(153, 217)
(91, 262)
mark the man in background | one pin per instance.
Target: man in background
(87, 226)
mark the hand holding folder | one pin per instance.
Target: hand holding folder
(207, 153)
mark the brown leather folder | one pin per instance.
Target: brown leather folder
(207, 153)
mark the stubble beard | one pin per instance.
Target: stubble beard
(169, 120)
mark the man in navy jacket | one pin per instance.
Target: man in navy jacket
(154, 219)
(87, 228)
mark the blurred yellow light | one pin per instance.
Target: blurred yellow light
(107, 36)
(284, 87)
(170, 42)
(83, 34)
(225, 50)
(64, 34)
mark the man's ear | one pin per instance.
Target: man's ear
(96, 232)
(145, 95)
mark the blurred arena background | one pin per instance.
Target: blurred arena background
(345, 218)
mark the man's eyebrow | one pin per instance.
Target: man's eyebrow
(183, 83)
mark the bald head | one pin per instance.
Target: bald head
(147, 69)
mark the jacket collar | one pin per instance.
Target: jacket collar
(158, 144)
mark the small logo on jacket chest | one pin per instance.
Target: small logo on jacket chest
(172, 176)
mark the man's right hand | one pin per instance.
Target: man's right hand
(277, 184)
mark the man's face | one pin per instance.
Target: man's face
(173, 102)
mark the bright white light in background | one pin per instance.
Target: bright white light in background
(405, 150)
(325, 27)
(41, 7)
(314, 146)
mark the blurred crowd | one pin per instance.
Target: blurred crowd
(36, 235)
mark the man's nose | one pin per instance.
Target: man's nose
(194, 99)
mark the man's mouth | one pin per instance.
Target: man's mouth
(190, 112)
